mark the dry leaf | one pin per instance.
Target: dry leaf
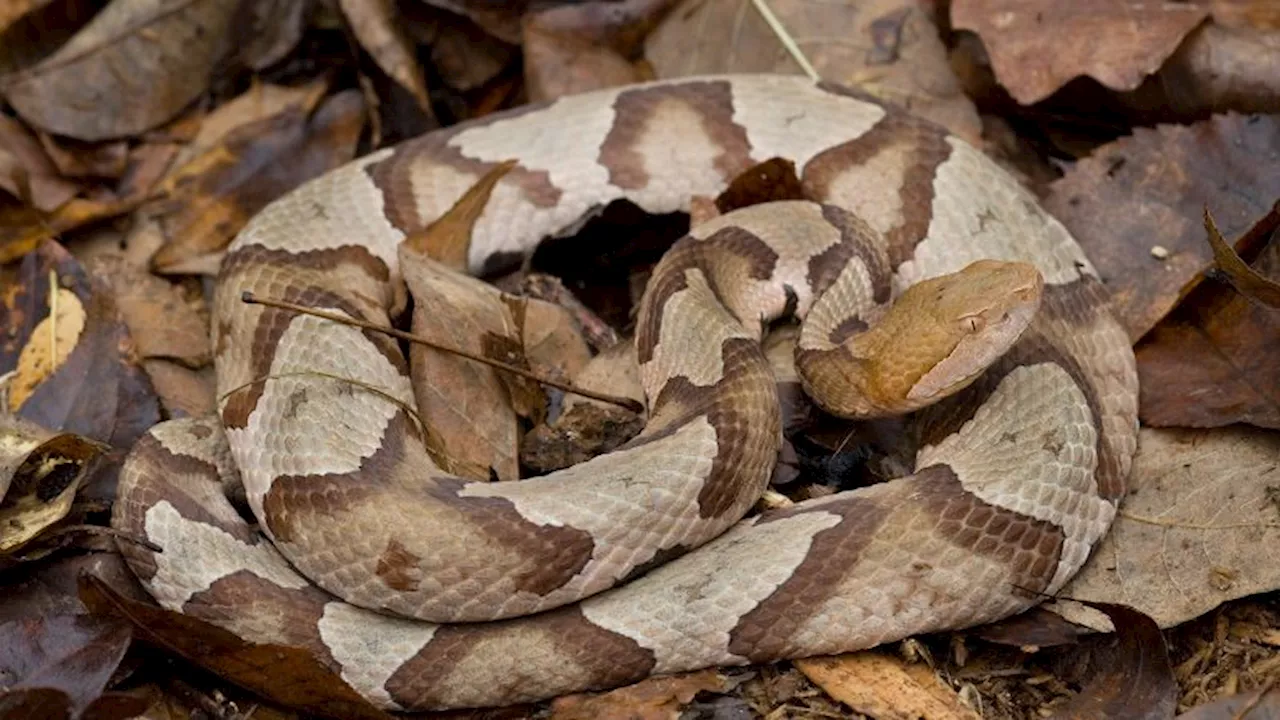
(448, 239)
(259, 102)
(87, 160)
(466, 57)
(1149, 190)
(216, 193)
(886, 687)
(163, 322)
(1215, 360)
(32, 29)
(277, 26)
(40, 472)
(74, 655)
(48, 348)
(134, 66)
(462, 403)
(1198, 528)
(1261, 704)
(657, 698)
(1231, 267)
(890, 48)
(1138, 684)
(1220, 67)
(1036, 47)
(26, 171)
(500, 19)
(380, 30)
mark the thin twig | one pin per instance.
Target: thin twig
(627, 403)
(785, 38)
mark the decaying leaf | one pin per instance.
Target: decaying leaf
(216, 193)
(131, 68)
(96, 388)
(40, 472)
(1235, 270)
(1135, 205)
(1036, 48)
(1215, 360)
(889, 48)
(290, 676)
(73, 655)
(1198, 528)
(658, 698)
(1139, 685)
(378, 27)
(886, 687)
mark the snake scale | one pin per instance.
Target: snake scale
(423, 591)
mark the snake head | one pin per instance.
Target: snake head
(934, 340)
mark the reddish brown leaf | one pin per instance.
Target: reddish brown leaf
(1215, 360)
(448, 239)
(769, 181)
(289, 676)
(74, 654)
(1036, 627)
(215, 194)
(1139, 686)
(1135, 205)
(1036, 48)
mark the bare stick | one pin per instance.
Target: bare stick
(627, 403)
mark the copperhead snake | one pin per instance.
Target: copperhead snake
(495, 593)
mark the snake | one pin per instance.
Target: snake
(307, 511)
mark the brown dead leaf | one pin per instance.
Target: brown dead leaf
(1135, 205)
(33, 29)
(277, 26)
(658, 698)
(462, 403)
(572, 49)
(448, 239)
(1220, 67)
(74, 655)
(890, 48)
(769, 181)
(466, 57)
(500, 19)
(214, 194)
(259, 102)
(26, 171)
(886, 687)
(131, 68)
(1232, 268)
(40, 472)
(1139, 685)
(1215, 360)
(87, 160)
(380, 30)
(1035, 48)
(1198, 528)
(97, 389)
(49, 587)
(163, 322)
(288, 675)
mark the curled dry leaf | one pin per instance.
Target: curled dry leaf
(657, 698)
(40, 472)
(890, 48)
(1215, 360)
(378, 27)
(287, 675)
(1139, 684)
(131, 68)
(886, 687)
(1150, 189)
(1198, 528)
(1235, 270)
(216, 193)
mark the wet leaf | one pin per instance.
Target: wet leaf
(1135, 205)
(72, 654)
(658, 698)
(215, 194)
(890, 48)
(381, 33)
(886, 687)
(131, 68)
(1036, 48)
(1139, 685)
(1198, 528)
(290, 676)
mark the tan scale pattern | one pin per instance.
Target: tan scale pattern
(1017, 478)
